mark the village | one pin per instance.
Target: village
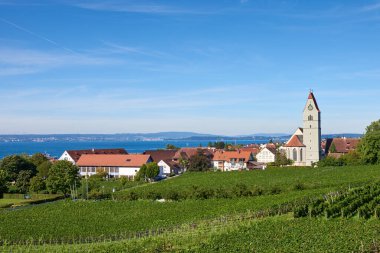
(304, 148)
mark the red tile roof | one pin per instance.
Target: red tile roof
(344, 145)
(186, 153)
(76, 154)
(135, 160)
(254, 151)
(294, 142)
(311, 96)
(158, 155)
(228, 155)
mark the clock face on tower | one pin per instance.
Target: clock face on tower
(310, 107)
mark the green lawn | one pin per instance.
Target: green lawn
(4, 202)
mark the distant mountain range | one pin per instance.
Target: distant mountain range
(152, 137)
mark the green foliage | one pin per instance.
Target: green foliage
(217, 144)
(171, 146)
(369, 148)
(23, 181)
(38, 158)
(199, 162)
(13, 164)
(37, 184)
(332, 148)
(350, 159)
(3, 183)
(63, 177)
(147, 172)
(43, 169)
(280, 160)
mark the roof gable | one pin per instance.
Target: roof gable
(113, 160)
(311, 97)
(76, 154)
(295, 142)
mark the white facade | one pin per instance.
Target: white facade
(66, 157)
(297, 154)
(164, 168)
(265, 156)
(312, 131)
(229, 165)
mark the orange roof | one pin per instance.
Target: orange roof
(228, 155)
(102, 160)
(295, 142)
(311, 96)
(255, 151)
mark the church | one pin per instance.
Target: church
(304, 147)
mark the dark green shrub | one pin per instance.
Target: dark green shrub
(257, 191)
(301, 211)
(241, 190)
(299, 186)
(172, 195)
(222, 193)
(203, 193)
(131, 195)
(98, 195)
(275, 190)
(153, 195)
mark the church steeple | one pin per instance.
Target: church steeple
(312, 129)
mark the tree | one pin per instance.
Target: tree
(38, 158)
(63, 177)
(37, 184)
(171, 146)
(332, 148)
(369, 146)
(148, 172)
(23, 181)
(13, 164)
(152, 170)
(3, 183)
(281, 160)
(199, 162)
(43, 169)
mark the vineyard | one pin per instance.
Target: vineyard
(252, 183)
(363, 202)
(296, 209)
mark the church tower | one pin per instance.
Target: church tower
(312, 130)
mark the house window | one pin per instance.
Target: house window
(295, 154)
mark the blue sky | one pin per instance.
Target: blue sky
(223, 67)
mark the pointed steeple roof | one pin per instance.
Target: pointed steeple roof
(311, 96)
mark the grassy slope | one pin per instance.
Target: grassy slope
(275, 234)
(83, 219)
(285, 178)
(67, 219)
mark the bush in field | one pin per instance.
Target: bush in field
(37, 184)
(131, 195)
(98, 195)
(241, 190)
(63, 177)
(203, 193)
(299, 186)
(153, 195)
(222, 193)
(172, 195)
(257, 190)
(3, 183)
(301, 211)
(275, 190)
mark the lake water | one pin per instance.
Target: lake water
(56, 148)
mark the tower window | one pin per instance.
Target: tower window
(310, 118)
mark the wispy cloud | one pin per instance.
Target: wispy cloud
(135, 7)
(15, 61)
(371, 7)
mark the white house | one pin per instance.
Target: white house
(74, 155)
(168, 167)
(231, 160)
(266, 155)
(115, 165)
